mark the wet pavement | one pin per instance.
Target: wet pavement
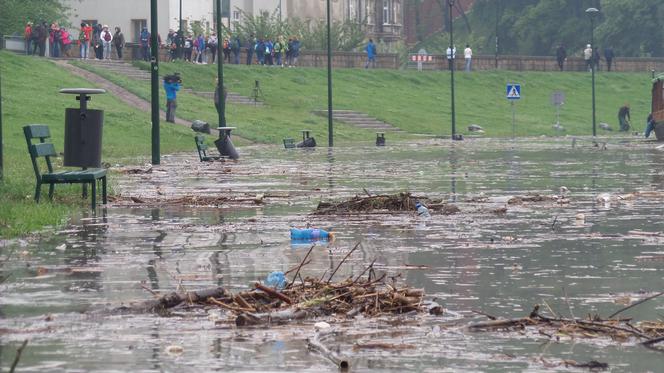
(603, 253)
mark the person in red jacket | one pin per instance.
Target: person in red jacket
(28, 37)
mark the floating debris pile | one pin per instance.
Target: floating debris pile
(402, 202)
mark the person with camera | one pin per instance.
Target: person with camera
(171, 86)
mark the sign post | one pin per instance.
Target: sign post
(513, 94)
(558, 100)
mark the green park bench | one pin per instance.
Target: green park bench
(289, 143)
(202, 148)
(47, 150)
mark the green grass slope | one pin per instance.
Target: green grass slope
(419, 102)
(30, 95)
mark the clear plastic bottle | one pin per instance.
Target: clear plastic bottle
(422, 211)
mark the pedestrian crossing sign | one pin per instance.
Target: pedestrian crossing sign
(513, 91)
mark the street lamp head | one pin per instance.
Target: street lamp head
(592, 11)
(451, 2)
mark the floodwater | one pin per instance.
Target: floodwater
(63, 283)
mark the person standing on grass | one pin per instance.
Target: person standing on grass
(295, 54)
(279, 47)
(468, 55)
(66, 41)
(119, 42)
(213, 44)
(106, 40)
(260, 52)
(97, 42)
(624, 118)
(144, 39)
(561, 56)
(84, 40)
(171, 87)
(588, 57)
(608, 56)
(370, 50)
(27, 36)
(41, 38)
(596, 58)
(650, 125)
(251, 45)
(236, 47)
(188, 48)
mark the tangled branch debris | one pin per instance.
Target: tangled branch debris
(402, 202)
(370, 295)
(648, 333)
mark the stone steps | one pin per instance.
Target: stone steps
(360, 120)
(232, 97)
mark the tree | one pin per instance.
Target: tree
(14, 14)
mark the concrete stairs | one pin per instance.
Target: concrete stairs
(232, 98)
(360, 120)
(121, 68)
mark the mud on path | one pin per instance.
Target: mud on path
(498, 255)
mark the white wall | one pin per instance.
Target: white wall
(122, 12)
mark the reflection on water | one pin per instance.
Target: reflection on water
(500, 264)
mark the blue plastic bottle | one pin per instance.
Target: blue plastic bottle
(422, 211)
(311, 234)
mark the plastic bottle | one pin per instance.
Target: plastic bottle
(311, 234)
(422, 211)
(276, 280)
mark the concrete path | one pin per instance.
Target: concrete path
(360, 120)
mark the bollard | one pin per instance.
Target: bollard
(380, 139)
(224, 143)
(307, 140)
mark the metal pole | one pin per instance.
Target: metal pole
(513, 121)
(451, 4)
(2, 168)
(592, 67)
(279, 11)
(154, 46)
(180, 16)
(220, 73)
(330, 134)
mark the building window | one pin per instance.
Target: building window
(137, 25)
(387, 12)
(236, 15)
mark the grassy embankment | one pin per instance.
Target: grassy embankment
(418, 103)
(30, 95)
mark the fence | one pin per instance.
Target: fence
(311, 58)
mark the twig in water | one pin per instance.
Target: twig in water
(301, 264)
(635, 304)
(150, 290)
(491, 317)
(568, 305)
(555, 220)
(342, 262)
(18, 356)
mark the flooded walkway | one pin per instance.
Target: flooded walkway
(603, 250)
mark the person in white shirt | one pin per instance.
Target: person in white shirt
(106, 39)
(588, 57)
(468, 54)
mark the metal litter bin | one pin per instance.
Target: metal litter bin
(83, 131)
(224, 143)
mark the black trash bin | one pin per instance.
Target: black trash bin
(83, 131)
(307, 140)
(224, 143)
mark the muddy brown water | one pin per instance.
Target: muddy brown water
(501, 265)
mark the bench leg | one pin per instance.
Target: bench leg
(103, 190)
(93, 197)
(37, 192)
(51, 188)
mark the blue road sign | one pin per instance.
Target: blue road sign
(513, 91)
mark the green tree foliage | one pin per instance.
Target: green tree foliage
(14, 14)
(537, 27)
(345, 36)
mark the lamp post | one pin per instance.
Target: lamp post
(2, 168)
(180, 29)
(592, 13)
(280, 11)
(452, 55)
(330, 134)
(220, 73)
(154, 72)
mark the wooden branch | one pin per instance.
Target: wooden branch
(173, 299)
(342, 262)
(273, 293)
(301, 264)
(635, 304)
(18, 356)
(315, 344)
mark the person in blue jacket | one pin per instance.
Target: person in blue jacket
(371, 54)
(171, 86)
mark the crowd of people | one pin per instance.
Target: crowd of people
(203, 49)
(591, 56)
(96, 39)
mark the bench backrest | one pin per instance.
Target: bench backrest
(289, 143)
(201, 147)
(41, 149)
